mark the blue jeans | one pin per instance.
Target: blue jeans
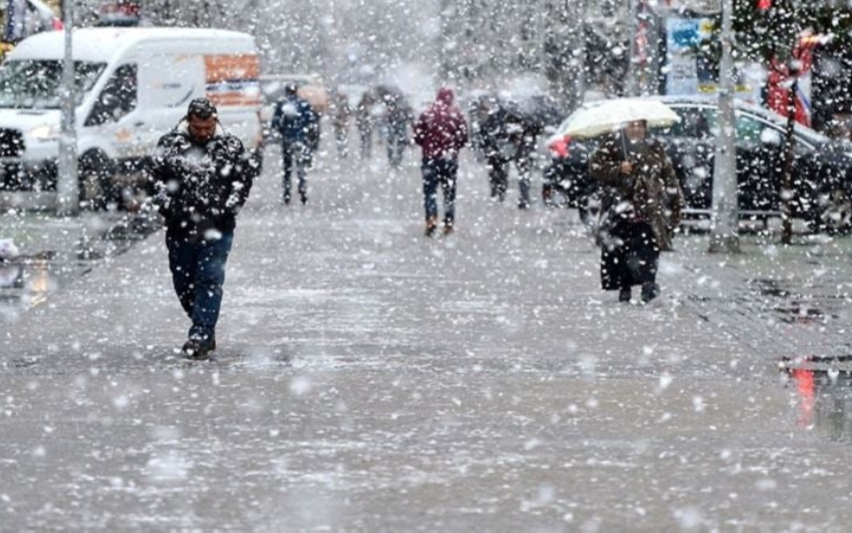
(198, 273)
(443, 172)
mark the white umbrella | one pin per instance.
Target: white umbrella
(612, 115)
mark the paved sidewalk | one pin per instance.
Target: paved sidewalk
(55, 252)
(371, 379)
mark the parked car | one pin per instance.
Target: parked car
(822, 167)
(132, 86)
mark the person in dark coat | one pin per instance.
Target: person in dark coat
(340, 114)
(441, 132)
(202, 177)
(479, 109)
(298, 124)
(508, 136)
(398, 116)
(642, 205)
(365, 122)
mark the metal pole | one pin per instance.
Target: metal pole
(67, 185)
(787, 190)
(632, 85)
(724, 236)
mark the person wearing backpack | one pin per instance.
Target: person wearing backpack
(298, 124)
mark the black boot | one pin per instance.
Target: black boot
(198, 349)
(650, 291)
(624, 295)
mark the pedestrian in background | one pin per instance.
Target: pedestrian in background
(507, 136)
(441, 132)
(298, 124)
(340, 114)
(365, 121)
(642, 205)
(202, 178)
(398, 116)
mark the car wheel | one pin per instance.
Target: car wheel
(833, 212)
(95, 175)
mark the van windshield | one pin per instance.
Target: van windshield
(36, 84)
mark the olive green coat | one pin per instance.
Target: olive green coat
(652, 187)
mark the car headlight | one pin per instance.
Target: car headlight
(43, 133)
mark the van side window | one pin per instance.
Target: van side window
(117, 99)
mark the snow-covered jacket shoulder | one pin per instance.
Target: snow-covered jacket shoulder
(201, 184)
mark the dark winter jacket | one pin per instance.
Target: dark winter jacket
(365, 114)
(297, 122)
(398, 115)
(441, 130)
(506, 135)
(339, 111)
(201, 186)
(650, 193)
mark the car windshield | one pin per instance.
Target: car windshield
(36, 84)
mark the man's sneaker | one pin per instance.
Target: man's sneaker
(286, 199)
(303, 197)
(448, 229)
(624, 294)
(649, 292)
(196, 349)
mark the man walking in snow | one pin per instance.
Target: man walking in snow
(298, 124)
(202, 178)
(507, 135)
(441, 132)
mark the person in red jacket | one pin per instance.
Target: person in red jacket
(441, 132)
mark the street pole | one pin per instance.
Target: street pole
(67, 185)
(632, 85)
(724, 236)
(787, 191)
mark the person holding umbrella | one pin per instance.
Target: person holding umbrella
(642, 205)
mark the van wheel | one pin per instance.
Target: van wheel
(95, 174)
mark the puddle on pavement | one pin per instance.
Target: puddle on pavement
(796, 309)
(823, 392)
(29, 280)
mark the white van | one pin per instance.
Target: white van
(133, 85)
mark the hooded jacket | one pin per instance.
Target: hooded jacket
(201, 186)
(441, 130)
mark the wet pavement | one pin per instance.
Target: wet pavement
(55, 252)
(369, 379)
